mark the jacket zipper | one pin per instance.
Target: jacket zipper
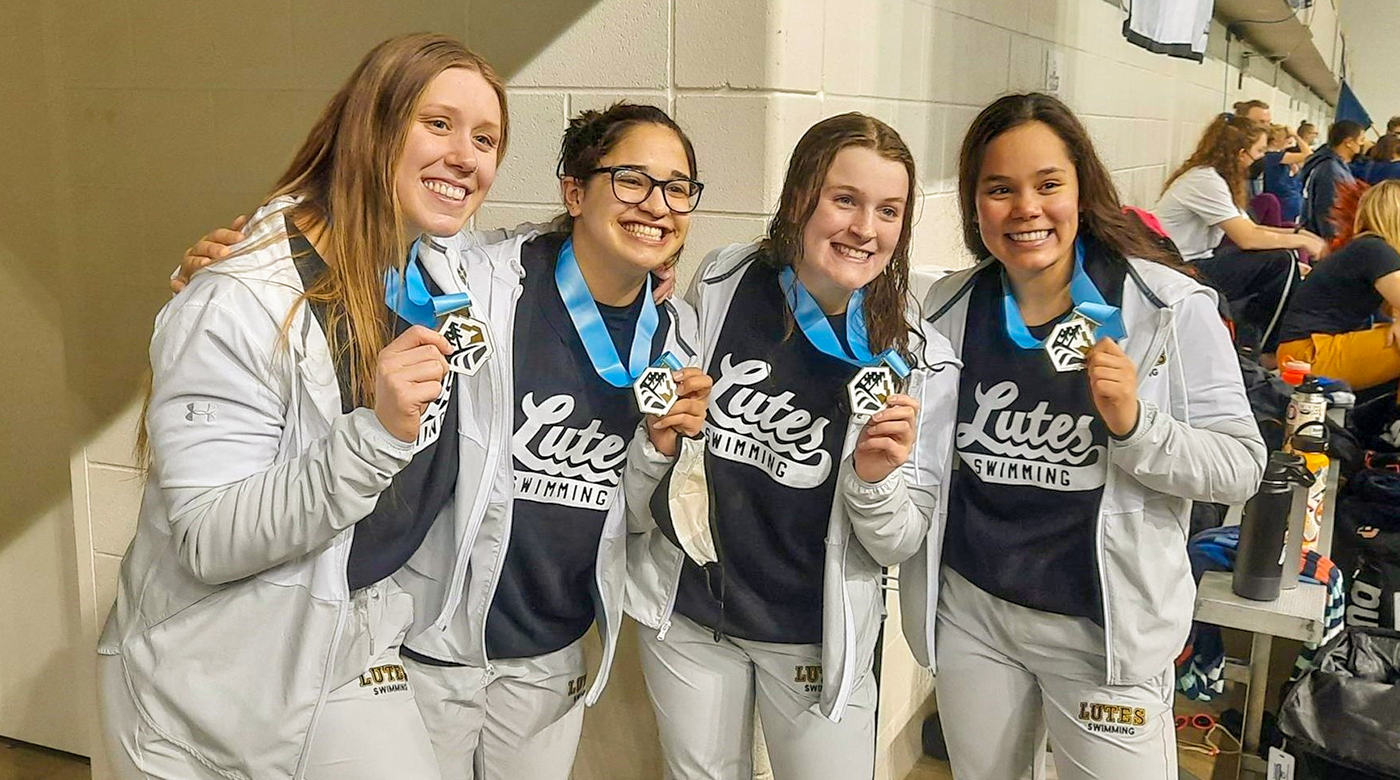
(479, 505)
(341, 610)
(504, 401)
(1156, 348)
(848, 655)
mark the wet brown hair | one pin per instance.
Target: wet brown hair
(1225, 137)
(887, 295)
(1101, 212)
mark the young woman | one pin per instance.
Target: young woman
(551, 435)
(1380, 163)
(1203, 203)
(769, 593)
(1285, 153)
(255, 633)
(501, 664)
(1331, 321)
(1058, 591)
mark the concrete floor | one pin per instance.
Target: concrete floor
(22, 761)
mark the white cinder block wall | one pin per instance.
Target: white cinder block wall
(745, 77)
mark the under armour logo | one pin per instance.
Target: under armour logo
(203, 411)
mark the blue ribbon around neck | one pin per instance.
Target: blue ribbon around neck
(812, 320)
(597, 341)
(407, 295)
(1089, 303)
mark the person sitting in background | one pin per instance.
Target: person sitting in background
(1324, 171)
(1307, 134)
(1203, 203)
(1281, 163)
(1392, 126)
(1256, 111)
(1330, 323)
(1381, 163)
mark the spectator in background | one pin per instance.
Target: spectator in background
(1281, 161)
(1324, 171)
(1392, 126)
(1307, 133)
(1330, 322)
(1255, 111)
(1380, 163)
(1203, 203)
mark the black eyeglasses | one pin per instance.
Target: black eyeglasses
(632, 186)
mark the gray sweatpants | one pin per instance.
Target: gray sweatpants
(1008, 674)
(518, 719)
(704, 694)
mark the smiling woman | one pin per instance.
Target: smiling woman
(256, 632)
(1080, 348)
(809, 442)
(450, 155)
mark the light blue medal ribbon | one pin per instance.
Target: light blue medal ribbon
(597, 341)
(812, 320)
(407, 295)
(1089, 303)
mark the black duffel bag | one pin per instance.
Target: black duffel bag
(1342, 719)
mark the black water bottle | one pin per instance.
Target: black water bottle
(1264, 528)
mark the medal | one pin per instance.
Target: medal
(407, 295)
(656, 389)
(1069, 342)
(874, 383)
(471, 344)
(870, 389)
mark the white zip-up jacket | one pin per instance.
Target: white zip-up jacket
(233, 597)
(1195, 441)
(454, 574)
(870, 525)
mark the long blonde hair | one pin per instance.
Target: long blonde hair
(1378, 212)
(344, 175)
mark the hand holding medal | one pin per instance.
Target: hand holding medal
(686, 415)
(1113, 384)
(886, 439)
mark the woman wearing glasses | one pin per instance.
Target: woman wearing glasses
(501, 675)
(550, 430)
(820, 473)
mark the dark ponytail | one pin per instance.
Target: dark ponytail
(592, 134)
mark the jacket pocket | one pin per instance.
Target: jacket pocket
(250, 715)
(1149, 591)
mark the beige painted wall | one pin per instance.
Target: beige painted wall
(1375, 57)
(132, 126)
